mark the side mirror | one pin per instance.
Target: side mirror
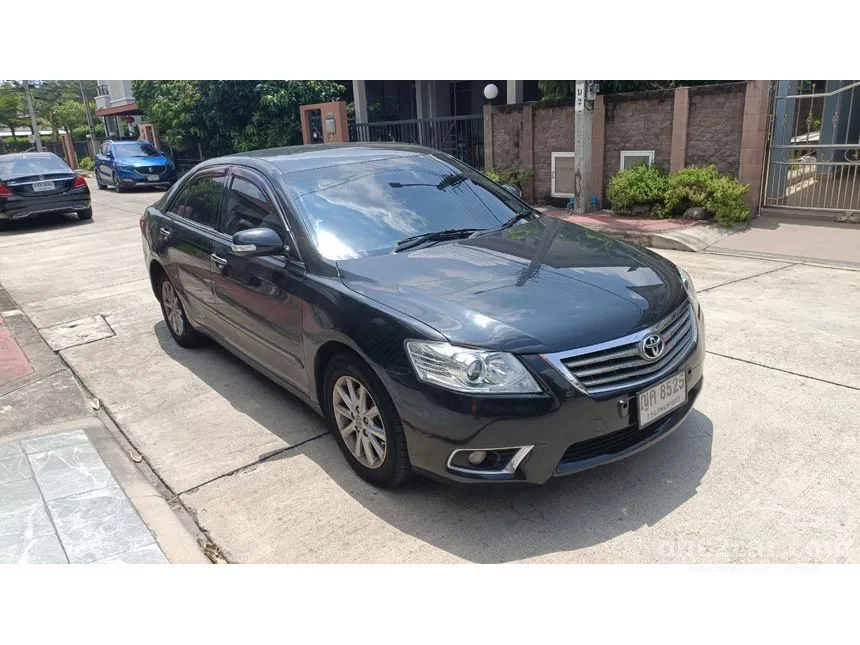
(513, 190)
(256, 242)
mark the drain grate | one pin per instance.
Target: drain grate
(77, 332)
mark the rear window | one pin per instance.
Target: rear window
(12, 167)
(136, 149)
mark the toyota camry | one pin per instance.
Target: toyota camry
(438, 323)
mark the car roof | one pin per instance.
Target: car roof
(20, 155)
(311, 157)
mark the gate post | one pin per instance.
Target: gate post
(783, 126)
(753, 141)
(69, 149)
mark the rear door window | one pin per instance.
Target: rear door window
(199, 200)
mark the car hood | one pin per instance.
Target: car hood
(543, 286)
(144, 161)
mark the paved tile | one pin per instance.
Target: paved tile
(45, 549)
(13, 464)
(53, 441)
(149, 554)
(26, 525)
(98, 524)
(18, 497)
(69, 471)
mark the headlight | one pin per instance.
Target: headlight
(473, 371)
(687, 281)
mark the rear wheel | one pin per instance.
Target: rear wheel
(87, 213)
(4, 224)
(365, 423)
(174, 315)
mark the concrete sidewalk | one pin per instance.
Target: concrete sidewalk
(68, 490)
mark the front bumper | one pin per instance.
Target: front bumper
(131, 177)
(18, 207)
(569, 431)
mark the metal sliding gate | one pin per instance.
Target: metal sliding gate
(459, 136)
(813, 158)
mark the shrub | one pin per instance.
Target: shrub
(515, 175)
(86, 163)
(721, 196)
(638, 185)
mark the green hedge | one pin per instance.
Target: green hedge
(86, 163)
(720, 196)
(514, 175)
(641, 184)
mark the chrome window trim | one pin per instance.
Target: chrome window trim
(556, 359)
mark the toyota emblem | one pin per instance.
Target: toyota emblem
(651, 347)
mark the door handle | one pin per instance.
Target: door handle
(218, 260)
(164, 232)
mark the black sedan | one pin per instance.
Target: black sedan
(437, 322)
(39, 183)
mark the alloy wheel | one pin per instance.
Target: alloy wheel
(172, 308)
(359, 422)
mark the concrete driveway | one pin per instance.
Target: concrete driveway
(764, 470)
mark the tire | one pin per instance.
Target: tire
(99, 183)
(87, 213)
(393, 470)
(4, 224)
(116, 183)
(174, 315)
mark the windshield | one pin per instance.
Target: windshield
(366, 208)
(38, 164)
(136, 149)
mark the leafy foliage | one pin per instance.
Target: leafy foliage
(638, 185)
(515, 175)
(230, 116)
(721, 196)
(12, 110)
(86, 163)
(557, 90)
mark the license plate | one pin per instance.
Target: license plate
(41, 186)
(661, 399)
(152, 178)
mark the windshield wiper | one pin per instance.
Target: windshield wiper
(437, 236)
(516, 218)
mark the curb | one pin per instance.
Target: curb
(691, 239)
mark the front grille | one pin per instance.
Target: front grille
(608, 445)
(615, 366)
(150, 170)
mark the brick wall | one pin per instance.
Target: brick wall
(553, 132)
(722, 125)
(507, 137)
(714, 128)
(640, 121)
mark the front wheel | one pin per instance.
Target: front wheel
(117, 184)
(365, 423)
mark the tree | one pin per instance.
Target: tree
(556, 90)
(230, 116)
(70, 114)
(12, 111)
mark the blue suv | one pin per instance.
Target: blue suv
(125, 164)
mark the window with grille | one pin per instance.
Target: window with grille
(631, 158)
(563, 177)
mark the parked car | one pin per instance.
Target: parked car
(126, 164)
(439, 324)
(38, 183)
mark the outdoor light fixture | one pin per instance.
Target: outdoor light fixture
(491, 91)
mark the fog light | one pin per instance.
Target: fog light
(475, 458)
